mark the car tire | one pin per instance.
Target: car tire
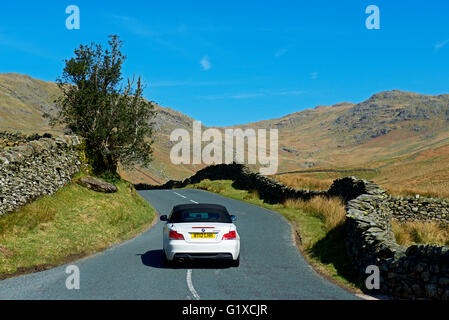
(235, 263)
(165, 261)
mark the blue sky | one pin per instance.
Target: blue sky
(233, 62)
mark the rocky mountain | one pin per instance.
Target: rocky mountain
(389, 125)
(388, 111)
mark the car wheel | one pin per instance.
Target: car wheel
(235, 263)
(165, 261)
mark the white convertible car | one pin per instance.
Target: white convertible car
(200, 231)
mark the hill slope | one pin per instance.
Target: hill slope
(23, 101)
(393, 130)
(387, 125)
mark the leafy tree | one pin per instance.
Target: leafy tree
(114, 119)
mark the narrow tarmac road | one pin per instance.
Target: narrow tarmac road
(271, 266)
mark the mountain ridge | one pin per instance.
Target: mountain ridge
(389, 124)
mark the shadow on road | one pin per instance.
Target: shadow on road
(153, 258)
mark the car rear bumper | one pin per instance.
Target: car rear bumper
(201, 256)
(224, 250)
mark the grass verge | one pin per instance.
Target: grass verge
(319, 224)
(72, 223)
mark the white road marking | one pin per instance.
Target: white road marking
(366, 297)
(180, 195)
(190, 285)
(193, 201)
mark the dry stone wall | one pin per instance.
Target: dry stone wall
(11, 139)
(32, 166)
(419, 209)
(268, 189)
(418, 271)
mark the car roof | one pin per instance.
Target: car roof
(200, 206)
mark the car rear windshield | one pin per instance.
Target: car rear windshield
(200, 216)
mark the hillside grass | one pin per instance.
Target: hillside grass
(421, 232)
(426, 174)
(440, 191)
(318, 222)
(72, 223)
(396, 187)
(304, 182)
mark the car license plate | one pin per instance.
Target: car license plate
(203, 235)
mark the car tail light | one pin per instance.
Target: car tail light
(232, 235)
(175, 236)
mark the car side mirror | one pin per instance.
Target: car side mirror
(163, 218)
(233, 218)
